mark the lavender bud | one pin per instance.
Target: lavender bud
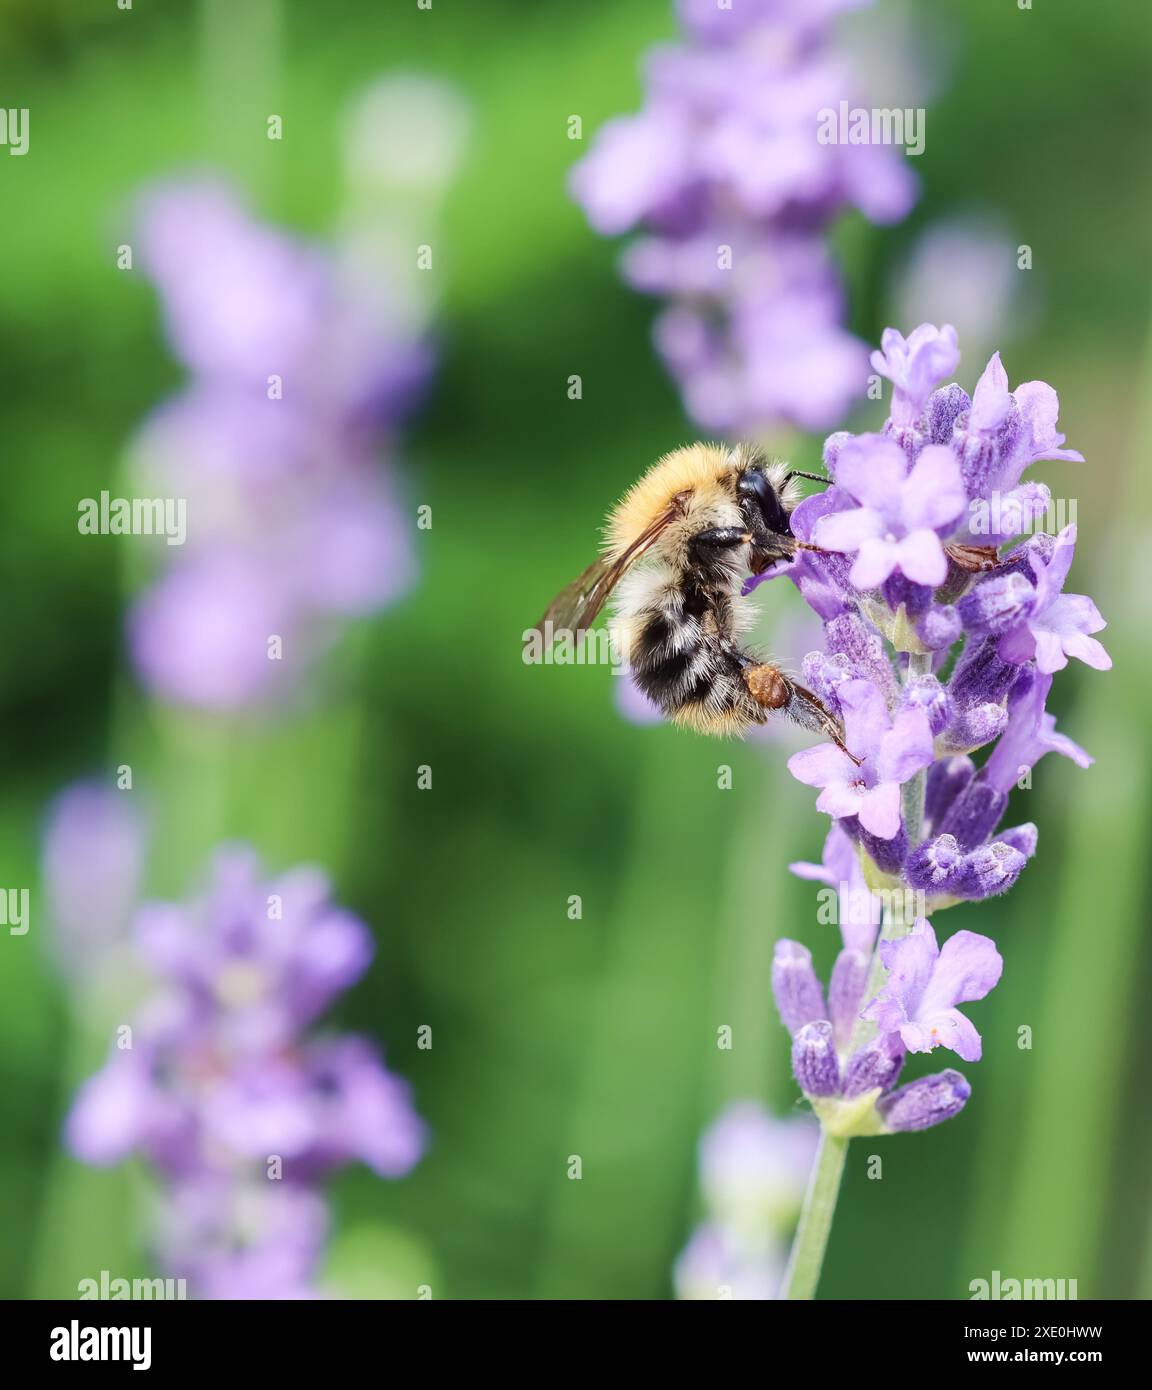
(939, 627)
(878, 1064)
(924, 1103)
(974, 727)
(1031, 557)
(887, 855)
(942, 410)
(926, 693)
(861, 648)
(990, 870)
(980, 676)
(823, 675)
(814, 1062)
(832, 447)
(1022, 838)
(799, 998)
(935, 866)
(974, 816)
(946, 781)
(846, 992)
(997, 604)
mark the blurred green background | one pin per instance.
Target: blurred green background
(555, 1037)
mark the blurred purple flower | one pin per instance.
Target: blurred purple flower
(298, 381)
(219, 1086)
(723, 173)
(92, 865)
(963, 271)
(752, 1175)
(632, 703)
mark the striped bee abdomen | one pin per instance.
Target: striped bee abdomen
(684, 659)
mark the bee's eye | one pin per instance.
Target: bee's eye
(753, 486)
(753, 483)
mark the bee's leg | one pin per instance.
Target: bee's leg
(711, 550)
(705, 544)
(772, 690)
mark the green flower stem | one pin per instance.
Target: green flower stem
(811, 1243)
(912, 799)
(816, 1215)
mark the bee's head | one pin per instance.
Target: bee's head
(760, 502)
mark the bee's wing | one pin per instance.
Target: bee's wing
(575, 607)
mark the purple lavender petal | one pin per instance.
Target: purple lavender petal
(1022, 838)
(939, 628)
(1029, 735)
(915, 365)
(930, 698)
(925, 983)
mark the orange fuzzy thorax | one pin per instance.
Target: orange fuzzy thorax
(705, 471)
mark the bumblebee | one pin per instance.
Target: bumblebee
(678, 549)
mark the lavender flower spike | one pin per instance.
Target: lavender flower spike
(721, 175)
(223, 1074)
(936, 643)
